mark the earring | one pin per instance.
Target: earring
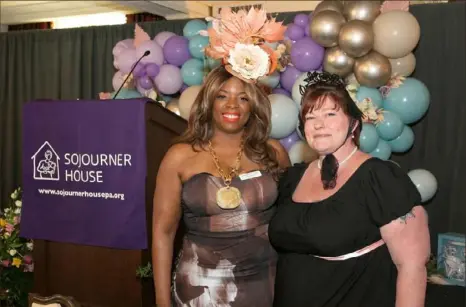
(352, 136)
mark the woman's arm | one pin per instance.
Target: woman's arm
(408, 241)
(165, 219)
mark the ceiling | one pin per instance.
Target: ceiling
(18, 12)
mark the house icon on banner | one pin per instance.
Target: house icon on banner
(45, 163)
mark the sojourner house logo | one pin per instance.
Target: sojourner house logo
(46, 163)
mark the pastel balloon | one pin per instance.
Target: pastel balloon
(403, 66)
(272, 80)
(390, 127)
(306, 54)
(396, 33)
(192, 72)
(410, 100)
(382, 151)
(169, 80)
(284, 116)
(282, 91)
(126, 60)
(187, 99)
(289, 77)
(162, 37)
(404, 141)
(301, 152)
(173, 105)
(369, 138)
(193, 27)
(176, 50)
(156, 52)
(294, 32)
(295, 91)
(289, 140)
(301, 20)
(372, 93)
(197, 44)
(425, 182)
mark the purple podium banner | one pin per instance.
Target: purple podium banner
(84, 172)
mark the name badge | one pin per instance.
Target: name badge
(250, 175)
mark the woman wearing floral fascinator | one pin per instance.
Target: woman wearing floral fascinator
(349, 230)
(221, 176)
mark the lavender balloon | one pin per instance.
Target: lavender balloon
(289, 77)
(145, 83)
(156, 52)
(281, 91)
(162, 37)
(306, 54)
(176, 50)
(169, 80)
(294, 32)
(126, 60)
(290, 140)
(139, 70)
(152, 70)
(122, 45)
(302, 20)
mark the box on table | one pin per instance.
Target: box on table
(451, 257)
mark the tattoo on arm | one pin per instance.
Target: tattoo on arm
(404, 218)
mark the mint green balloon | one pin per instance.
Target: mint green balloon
(192, 72)
(197, 44)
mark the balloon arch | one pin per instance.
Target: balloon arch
(369, 43)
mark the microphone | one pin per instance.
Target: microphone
(130, 72)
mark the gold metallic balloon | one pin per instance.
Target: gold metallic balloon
(356, 38)
(325, 27)
(372, 70)
(328, 5)
(336, 61)
(362, 10)
(174, 106)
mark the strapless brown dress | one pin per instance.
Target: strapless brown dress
(226, 258)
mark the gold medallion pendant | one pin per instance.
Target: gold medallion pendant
(228, 198)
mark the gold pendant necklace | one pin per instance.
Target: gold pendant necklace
(228, 197)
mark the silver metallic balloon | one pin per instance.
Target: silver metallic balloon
(173, 106)
(356, 38)
(372, 70)
(325, 27)
(328, 5)
(336, 61)
(362, 10)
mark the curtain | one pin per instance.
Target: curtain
(440, 137)
(54, 64)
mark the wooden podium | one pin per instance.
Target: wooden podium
(105, 277)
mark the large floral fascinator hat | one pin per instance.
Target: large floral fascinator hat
(239, 40)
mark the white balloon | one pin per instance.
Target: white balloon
(187, 99)
(425, 182)
(284, 116)
(295, 92)
(301, 152)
